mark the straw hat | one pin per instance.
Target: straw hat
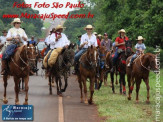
(99, 35)
(60, 27)
(89, 27)
(140, 38)
(95, 33)
(4, 31)
(16, 20)
(122, 31)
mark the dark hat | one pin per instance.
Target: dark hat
(79, 36)
(4, 31)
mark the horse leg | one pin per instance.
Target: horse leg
(147, 85)
(138, 81)
(5, 101)
(66, 84)
(52, 81)
(101, 79)
(132, 82)
(116, 73)
(105, 79)
(22, 83)
(85, 89)
(91, 89)
(129, 85)
(56, 80)
(17, 80)
(80, 85)
(112, 81)
(26, 79)
(124, 83)
(120, 82)
(50, 85)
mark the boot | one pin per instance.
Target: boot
(4, 67)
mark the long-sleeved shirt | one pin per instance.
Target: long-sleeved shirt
(91, 41)
(63, 41)
(107, 44)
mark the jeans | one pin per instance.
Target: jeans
(78, 54)
(133, 57)
(116, 54)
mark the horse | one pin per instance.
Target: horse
(61, 68)
(108, 68)
(121, 66)
(140, 70)
(87, 69)
(101, 66)
(19, 68)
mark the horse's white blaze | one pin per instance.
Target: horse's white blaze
(95, 53)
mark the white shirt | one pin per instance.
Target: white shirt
(47, 40)
(91, 41)
(3, 39)
(63, 41)
(13, 32)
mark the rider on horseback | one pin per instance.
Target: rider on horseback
(14, 35)
(87, 40)
(120, 43)
(140, 47)
(57, 41)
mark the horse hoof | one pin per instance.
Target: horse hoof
(81, 101)
(50, 93)
(52, 84)
(17, 103)
(62, 90)
(147, 102)
(129, 98)
(86, 102)
(60, 95)
(137, 101)
(25, 103)
(90, 102)
(124, 92)
(5, 101)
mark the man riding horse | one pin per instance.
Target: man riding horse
(57, 41)
(87, 40)
(14, 35)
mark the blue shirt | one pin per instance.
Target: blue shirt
(140, 46)
(32, 42)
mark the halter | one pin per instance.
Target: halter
(142, 63)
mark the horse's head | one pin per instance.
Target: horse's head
(152, 61)
(128, 45)
(102, 51)
(68, 54)
(92, 56)
(31, 56)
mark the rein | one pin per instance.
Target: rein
(142, 64)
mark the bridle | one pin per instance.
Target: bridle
(26, 63)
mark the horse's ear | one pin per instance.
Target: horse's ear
(63, 50)
(28, 43)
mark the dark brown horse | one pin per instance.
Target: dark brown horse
(121, 67)
(87, 69)
(138, 71)
(101, 66)
(61, 68)
(108, 68)
(19, 68)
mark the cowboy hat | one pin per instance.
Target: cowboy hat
(99, 35)
(89, 27)
(122, 31)
(140, 38)
(16, 20)
(4, 31)
(95, 33)
(60, 27)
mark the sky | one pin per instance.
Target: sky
(49, 10)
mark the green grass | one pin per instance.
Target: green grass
(117, 108)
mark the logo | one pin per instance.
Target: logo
(17, 112)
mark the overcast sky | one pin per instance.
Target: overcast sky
(51, 10)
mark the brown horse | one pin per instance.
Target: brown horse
(101, 66)
(19, 67)
(138, 71)
(87, 69)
